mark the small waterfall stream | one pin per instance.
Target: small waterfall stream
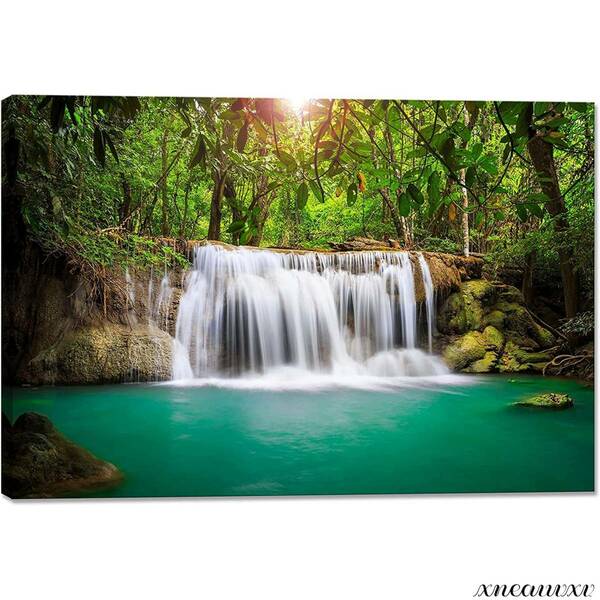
(246, 312)
(429, 299)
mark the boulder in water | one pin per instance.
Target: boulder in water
(38, 461)
(551, 400)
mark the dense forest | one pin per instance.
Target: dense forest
(105, 180)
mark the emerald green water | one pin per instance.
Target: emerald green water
(208, 441)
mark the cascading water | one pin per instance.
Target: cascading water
(429, 298)
(246, 312)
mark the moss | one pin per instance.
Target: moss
(464, 310)
(511, 294)
(544, 337)
(492, 338)
(551, 400)
(516, 359)
(483, 365)
(523, 329)
(479, 289)
(495, 318)
(465, 350)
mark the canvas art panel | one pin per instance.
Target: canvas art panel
(301, 296)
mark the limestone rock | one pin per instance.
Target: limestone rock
(109, 353)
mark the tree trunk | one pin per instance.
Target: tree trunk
(542, 156)
(125, 209)
(230, 195)
(262, 200)
(470, 118)
(465, 213)
(398, 221)
(184, 218)
(163, 187)
(527, 284)
(214, 224)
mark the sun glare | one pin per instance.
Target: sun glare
(298, 104)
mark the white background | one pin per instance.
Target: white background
(387, 547)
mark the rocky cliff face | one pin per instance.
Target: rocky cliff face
(486, 328)
(57, 329)
(104, 353)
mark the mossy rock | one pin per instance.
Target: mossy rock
(465, 350)
(511, 294)
(516, 359)
(495, 318)
(480, 289)
(520, 326)
(38, 461)
(105, 354)
(544, 336)
(551, 400)
(464, 310)
(487, 364)
(492, 338)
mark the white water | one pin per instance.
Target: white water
(429, 298)
(336, 318)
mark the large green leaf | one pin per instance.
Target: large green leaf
(199, 154)
(236, 226)
(415, 194)
(99, 148)
(314, 188)
(351, 194)
(302, 195)
(404, 204)
(287, 159)
(580, 107)
(433, 188)
(111, 146)
(242, 138)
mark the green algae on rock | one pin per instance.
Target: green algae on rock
(489, 329)
(549, 400)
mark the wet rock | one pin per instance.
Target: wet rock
(464, 310)
(552, 400)
(109, 353)
(487, 364)
(509, 339)
(39, 461)
(495, 318)
(516, 359)
(465, 350)
(492, 338)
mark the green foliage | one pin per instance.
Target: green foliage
(580, 325)
(106, 177)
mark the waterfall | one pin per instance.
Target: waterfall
(429, 299)
(247, 312)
